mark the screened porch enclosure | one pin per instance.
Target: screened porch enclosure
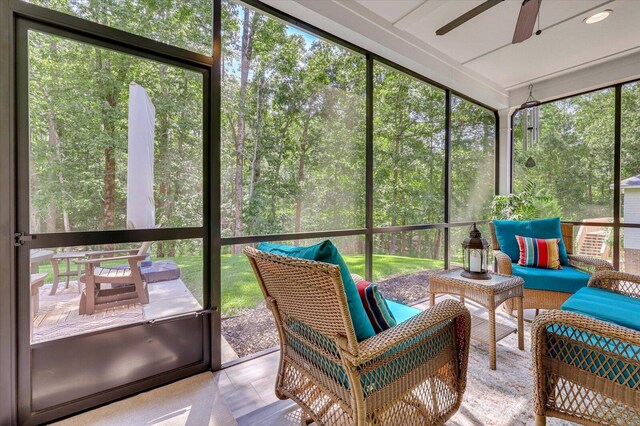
(135, 215)
(149, 144)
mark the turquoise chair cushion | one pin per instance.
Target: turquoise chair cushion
(568, 345)
(565, 280)
(605, 305)
(402, 312)
(506, 231)
(326, 252)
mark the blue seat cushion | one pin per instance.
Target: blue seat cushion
(506, 231)
(565, 280)
(568, 343)
(576, 347)
(402, 312)
(326, 252)
(605, 305)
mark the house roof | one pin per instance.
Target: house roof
(632, 182)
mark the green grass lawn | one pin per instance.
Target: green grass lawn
(239, 286)
(240, 289)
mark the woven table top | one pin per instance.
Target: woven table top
(497, 282)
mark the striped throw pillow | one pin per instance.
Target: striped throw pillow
(375, 306)
(539, 253)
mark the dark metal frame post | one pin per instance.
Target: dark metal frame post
(617, 142)
(368, 258)
(496, 157)
(8, 353)
(447, 175)
(214, 171)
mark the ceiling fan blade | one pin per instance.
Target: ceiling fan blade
(467, 16)
(526, 20)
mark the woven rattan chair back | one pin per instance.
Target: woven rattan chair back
(303, 291)
(565, 228)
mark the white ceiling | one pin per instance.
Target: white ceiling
(483, 44)
(478, 58)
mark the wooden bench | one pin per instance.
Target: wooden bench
(37, 281)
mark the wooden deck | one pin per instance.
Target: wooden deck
(58, 315)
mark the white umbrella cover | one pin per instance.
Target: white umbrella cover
(141, 209)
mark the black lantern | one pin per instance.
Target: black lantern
(475, 252)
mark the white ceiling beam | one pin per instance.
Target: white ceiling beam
(413, 17)
(593, 77)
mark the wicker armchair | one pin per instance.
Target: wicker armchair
(586, 370)
(545, 299)
(413, 373)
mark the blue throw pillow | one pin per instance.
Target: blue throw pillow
(328, 253)
(506, 231)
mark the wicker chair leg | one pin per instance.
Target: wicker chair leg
(541, 420)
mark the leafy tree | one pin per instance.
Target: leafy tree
(574, 155)
(527, 204)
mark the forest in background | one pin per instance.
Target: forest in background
(292, 133)
(293, 141)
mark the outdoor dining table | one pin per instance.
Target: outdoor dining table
(66, 257)
(39, 256)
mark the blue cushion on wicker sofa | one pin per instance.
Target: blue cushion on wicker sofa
(402, 312)
(568, 343)
(326, 252)
(506, 231)
(605, 305)
(565, 280)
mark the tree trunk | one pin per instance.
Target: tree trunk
(396, 165)
(245, 64)
(53, 142)
(109, 194)
(301, 161)
(255, 160)
(394, 196)
(109, 198)
(164, 201)
(436, 245)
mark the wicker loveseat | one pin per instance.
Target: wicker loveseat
(586, 357)
(412, 373)
(544, 288)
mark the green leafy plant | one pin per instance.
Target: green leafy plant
(529, 203)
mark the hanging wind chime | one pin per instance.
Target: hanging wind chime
(530, 125)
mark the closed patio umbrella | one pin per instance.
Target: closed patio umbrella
(141, 210)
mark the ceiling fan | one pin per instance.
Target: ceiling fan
(524, 27)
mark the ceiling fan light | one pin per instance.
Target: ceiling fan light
(600, 16)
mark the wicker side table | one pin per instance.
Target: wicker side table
(488, 293)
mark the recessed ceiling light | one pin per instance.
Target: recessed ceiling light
(600, 16)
